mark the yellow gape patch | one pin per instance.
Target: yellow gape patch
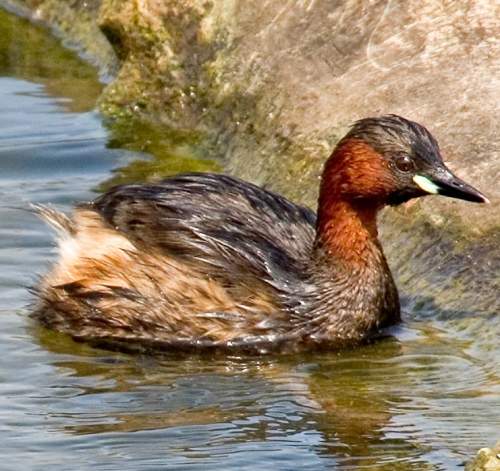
(425, 184)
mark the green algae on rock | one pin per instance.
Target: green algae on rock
(487, 459)
(30, 53)
(75, 22)
(169, 151)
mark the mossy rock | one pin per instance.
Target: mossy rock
(487, 459)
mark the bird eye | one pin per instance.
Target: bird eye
(404, 163)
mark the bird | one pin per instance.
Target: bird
(204, 261)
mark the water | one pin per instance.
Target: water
(426, 399)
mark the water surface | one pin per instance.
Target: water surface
(427, 398)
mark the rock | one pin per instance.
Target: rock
(274, 79)
(75, 22)
(487, 459)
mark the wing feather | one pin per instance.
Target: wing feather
(229, 229)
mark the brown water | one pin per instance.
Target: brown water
(426, 399)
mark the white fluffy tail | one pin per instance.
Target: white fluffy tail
(62, 224)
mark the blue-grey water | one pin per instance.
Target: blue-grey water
(425, 400)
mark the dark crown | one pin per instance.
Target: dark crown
(391, 134)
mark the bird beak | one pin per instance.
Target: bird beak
(441, 181)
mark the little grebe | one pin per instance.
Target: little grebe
(210, 261)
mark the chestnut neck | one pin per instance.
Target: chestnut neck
(346, 227)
